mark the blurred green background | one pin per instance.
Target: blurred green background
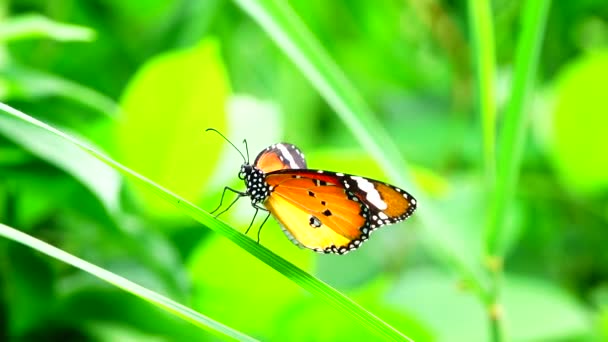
(141, 80)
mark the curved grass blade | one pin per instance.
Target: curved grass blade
(297, 275)
(30, 83)
(38, 26)
(118, 281)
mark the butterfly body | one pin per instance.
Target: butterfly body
(328, 212)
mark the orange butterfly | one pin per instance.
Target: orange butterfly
(327, 212)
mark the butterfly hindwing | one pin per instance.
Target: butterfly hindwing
(332, 212)
(280, 157)
(320, 217)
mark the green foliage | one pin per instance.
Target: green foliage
(577, 98)
(29, 292)
(192, 87)
(509, 239)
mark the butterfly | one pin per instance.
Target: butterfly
(327, 212)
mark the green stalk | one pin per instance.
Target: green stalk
(515, 119)
(482, 36)
(511, 145)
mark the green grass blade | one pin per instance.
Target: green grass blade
(515, 119)
(298, 276)
(512, 143)
(38, 26)
(32, 83)
(482, 36)
(290, 34)
(118, 281)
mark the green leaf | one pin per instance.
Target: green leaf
(301, 278)
(150, 296)
(580, 119)
(167, 107)
(37, 26)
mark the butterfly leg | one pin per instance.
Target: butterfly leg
(262, 225)
(257, 208)
(252, 220)
(239, 193)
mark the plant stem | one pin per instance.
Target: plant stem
(482, 35)
(511, 147)
(513, 132)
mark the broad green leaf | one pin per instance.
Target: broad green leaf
(580, 122)
(148, 295)
(38, 26)
(166, 108)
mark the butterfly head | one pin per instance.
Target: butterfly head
(245, 170)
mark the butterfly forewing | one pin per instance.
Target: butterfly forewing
(280, 157)
(388, 204)
(332, 212)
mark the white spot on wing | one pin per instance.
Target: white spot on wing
(373, 196)
(382, 216)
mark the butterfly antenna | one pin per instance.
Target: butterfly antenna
(246, 149)
(230, 142)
